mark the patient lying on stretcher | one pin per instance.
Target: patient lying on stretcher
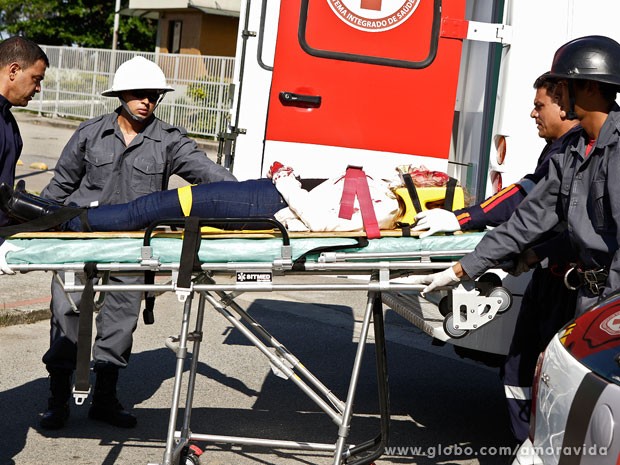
(280, 196)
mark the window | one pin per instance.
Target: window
(174, 36)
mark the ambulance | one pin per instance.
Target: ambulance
(446, 84)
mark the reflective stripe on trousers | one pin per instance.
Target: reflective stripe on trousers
(518, 392)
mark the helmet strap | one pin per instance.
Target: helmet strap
(136, 118)
(570, 114)
(139, 119)
(161, 97)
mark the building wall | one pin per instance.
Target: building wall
(201, 34)
(219, 35)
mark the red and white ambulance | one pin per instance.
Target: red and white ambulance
(448, 84)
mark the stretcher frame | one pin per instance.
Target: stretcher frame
(382, 268)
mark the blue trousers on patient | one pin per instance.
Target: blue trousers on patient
(252, 198)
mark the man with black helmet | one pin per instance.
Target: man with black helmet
(580, 193)
(113, 159)
(576, 192)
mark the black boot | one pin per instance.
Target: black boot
(105, 406)
(22, 206)
(57, 412)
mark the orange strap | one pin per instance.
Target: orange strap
(356, 185)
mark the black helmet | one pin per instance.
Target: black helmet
(595, 58)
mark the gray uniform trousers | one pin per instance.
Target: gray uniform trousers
(115, 322)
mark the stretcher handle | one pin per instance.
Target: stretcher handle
(180, 222)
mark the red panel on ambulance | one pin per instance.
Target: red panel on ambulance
(381, 107)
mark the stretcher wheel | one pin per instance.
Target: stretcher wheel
(503, 294)
(190, 455)
(448, 327)
(487, 282)
(445, 306)
(192, 460)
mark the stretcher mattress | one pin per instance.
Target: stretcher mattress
(66, 248)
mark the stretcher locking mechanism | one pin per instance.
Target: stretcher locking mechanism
(147, 259)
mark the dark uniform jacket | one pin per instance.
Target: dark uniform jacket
(497, 209)
(10, 149)
(96, 166)
(581, 192)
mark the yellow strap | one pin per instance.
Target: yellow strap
(185, 199)
(209, 229)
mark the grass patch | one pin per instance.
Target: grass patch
(16, 317)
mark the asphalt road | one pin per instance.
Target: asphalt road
(444, 410)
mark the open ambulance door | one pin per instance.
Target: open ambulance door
(363, 82)
(321, 84)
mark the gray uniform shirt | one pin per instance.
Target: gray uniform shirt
(95, 165)
(581, 192)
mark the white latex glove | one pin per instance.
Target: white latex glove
(444, 278)
(436, 220)
(5, 248)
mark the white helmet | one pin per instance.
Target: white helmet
(138, 73)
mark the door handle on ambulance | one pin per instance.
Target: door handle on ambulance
(300, 100)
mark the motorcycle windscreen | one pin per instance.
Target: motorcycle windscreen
(367, 74)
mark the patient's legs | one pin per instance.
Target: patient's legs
(253, 198)
(134, 215)
(246, 199)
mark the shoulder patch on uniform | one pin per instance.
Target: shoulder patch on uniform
(92, 121)
(167, 127)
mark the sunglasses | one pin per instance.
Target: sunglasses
(152, 96)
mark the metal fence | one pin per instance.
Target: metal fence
(77, 76)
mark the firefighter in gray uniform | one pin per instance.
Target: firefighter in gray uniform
(581, 190)
(580, 193)
(113, 159)
(547, 304)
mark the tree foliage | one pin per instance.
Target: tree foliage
(85, 23)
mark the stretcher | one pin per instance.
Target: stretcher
(217, 267)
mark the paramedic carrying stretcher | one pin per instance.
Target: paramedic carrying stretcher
(114, 158)
(580, 193)
(547, 303)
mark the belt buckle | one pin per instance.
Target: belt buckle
(589, 276)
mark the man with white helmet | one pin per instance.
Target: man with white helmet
(113, 159)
